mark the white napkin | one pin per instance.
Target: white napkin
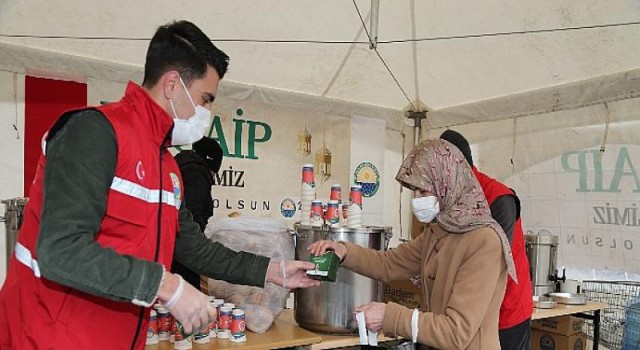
(414, 325)
(367, 337)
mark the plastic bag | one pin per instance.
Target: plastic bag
(268, 237)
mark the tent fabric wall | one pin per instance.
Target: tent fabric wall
(368, 144)
(590, 202)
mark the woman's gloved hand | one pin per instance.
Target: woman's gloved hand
(188, 305)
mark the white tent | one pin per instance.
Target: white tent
(527, 82)
(463, 53)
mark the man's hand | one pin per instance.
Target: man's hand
(188, 305)
(373, 314)
(291, 274)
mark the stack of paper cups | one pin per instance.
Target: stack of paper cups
(354, 216)
(307, 194)
(354, 212)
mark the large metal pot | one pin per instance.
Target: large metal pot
(329, 308)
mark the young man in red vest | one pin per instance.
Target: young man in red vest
(517, 305)
(105, 216)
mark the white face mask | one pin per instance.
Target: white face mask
(186, 131)
(425, 208)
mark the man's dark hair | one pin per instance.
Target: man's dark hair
(459, 141)
(183, 47)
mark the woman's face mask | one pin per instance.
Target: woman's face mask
(425, 208)
(186, 131)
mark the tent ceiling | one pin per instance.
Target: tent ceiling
(449, 72)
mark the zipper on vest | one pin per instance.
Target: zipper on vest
(157, 252)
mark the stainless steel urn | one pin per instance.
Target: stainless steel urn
(329, 308)
(542, 254)
(14, 208)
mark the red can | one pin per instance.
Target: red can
(355, 196)
(336, 193)
(238, 325)
(153, 323)
(224, 320)
(164, 323)
(178, 331)
(218, 303)
(152, 330)
(307, 175)
(316, 211)
(214, 324)
(333, 213)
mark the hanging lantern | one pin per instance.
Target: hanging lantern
(323, 164)
(304, 142)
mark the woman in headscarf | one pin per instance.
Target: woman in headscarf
(462, 258)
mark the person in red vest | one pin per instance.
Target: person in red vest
(106, 217)
(517, 306)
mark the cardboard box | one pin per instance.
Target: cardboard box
(327, 266)
(563, 325)
(403, 293)
(542, 340)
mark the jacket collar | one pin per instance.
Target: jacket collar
(154, 117)
(437, 231)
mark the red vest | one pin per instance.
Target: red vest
(517, 304)
(39, 313)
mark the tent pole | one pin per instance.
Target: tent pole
(373, 24)
(417, 124)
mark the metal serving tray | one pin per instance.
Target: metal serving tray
(569, 298)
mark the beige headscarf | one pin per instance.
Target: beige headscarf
(439, 167)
